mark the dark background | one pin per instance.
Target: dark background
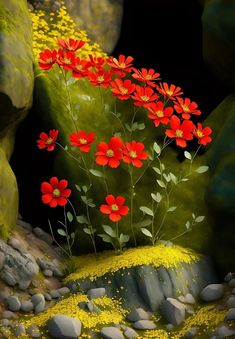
(162, 34)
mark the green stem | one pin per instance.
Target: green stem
(66, 231)
(105, 181)
(132, 203)
(53, 237)
(70, 154)
(91, 228)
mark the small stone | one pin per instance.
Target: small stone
(212, 292)
(9, 315)
(92, 308)
(144, 325)
(13, 303)
(38, 232)
(231, 314)
(191, 333)
(19, 330)
(61, 327)
(55, 294)
(48, 273)
(72, 286)
(47, 296)
(233, 291)
(170, 327)
(231, 302)
(229, 277)
(111, 333)
(83, 305)
(5, 322)
(4, 333)
(24, 284)
(47, 238)
(2, 259)
(42, 263)
(187, 299)
(138, 314)
(96, 293)
(173, 311)
(38, 301)
(63, 290)
(224, 332)
(34, 331)
(25, 225)
(232, 283)
(130, 333)
(15, 243)
(9, 278)
(4, 294)
(26, 306)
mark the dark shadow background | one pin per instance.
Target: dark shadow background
(162, 34)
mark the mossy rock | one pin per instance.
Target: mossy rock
(16, 86)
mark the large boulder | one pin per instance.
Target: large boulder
(16, 86)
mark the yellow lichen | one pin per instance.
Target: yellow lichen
(108, 262)
(59, 24)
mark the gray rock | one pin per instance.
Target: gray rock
(130, 333)
(170, 327)
(232, 283)
(38, 301)
(231, 314)
(34, 331)
(9, 278)
(93, 308)
(25, 225)
(26, 306)
(191, 333)
(13, 303)
(15, 243)
(64, 327)
(228, 277)
(38, 232)
(173, 311)
(47, 238)
(144, 325)
(2, 260)
(48, 273)
(9, 315)
(42, 263)
(5, 322)
(111, 333)
(19, 330)
(96, 293)
(47, 296)
(187, 299)
(223, 332)
(55, 294)
(83, 305)
(4, 294)
(72, 285)
(138, 314)
(233, 291)
(212, 292)
(4, 333)
(231, 302)
(63, 290)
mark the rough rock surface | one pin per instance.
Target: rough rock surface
(63, 327)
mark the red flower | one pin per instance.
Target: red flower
(47, 59)
(202, 134)
(147, 76)
(66, 59)
(171, 91)
(82, 140)
(100, 78)
(80, 69)
(134, 153)
(72, 45)
(159, 114)
(143, 96)
(186, 107)
(48, 141)
(96, 62)
(114, 207)
(181, 132)
(55, 193)
(111, 153)
(122, 89)
(121, 65)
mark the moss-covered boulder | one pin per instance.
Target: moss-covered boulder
(16, 86)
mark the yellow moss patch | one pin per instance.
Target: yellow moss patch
(59, 24)
(108, 262)
(111, 312)
(156, 334)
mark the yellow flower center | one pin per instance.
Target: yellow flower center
(185, 108)
(123, 90)
(67, 61)
(200, 134)
(56, 192)
(144, 98)
(79, 67)
(49, 141)
(148, 77)
(179, 133)
(100, 78)
(169, 92)
(122, 65)
(114, 208)
(160, 114)
(83, 141)
(110, 153)
(132, 154)
(49, 60)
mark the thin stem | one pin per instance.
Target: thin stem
(73, 209)
(66, 230)
(132, 120)
(105, 181)
(71, 155)
(132, 203)
(91, 228)
(53, 237)
(179, 235)
(86, 169)
(119, 120)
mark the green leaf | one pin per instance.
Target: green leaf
(156, 148)
(71, 81)
(185, 179)
(72, 235)
(162, 167)
(117, 134)
(146, 210)
(84, 188)
(141, 126)
(96, 173)
(187, 225)
(161, 183)
(202, 169)
(75, 117)
(157, 170)
(167, 177)
(78, 188)
(82, 219)
(124, 238)
(128, 127)
(61, 232)
(172, 209)
(69, 216)
(187, 155)
(146, 232)
(134, 126)
(87, 230)
(88, 202)
(156, 197)
(173, 178)
(143, 223)
(200, 218)
(193, 215)
(66, 148)
(109, 231)
(68, 75)
(106, 238)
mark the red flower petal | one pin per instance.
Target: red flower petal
(110, 199)
(53, 203)
(66, 193)
(114, 217)
(120, 200)
(123, 210)
(113, 163)
(101, 160)
(62, 184)
(62, 201)
(46, 198)
(54, 182)
(46, 188)
(105, 209)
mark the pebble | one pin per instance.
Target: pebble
(212, 292)
(96, 293)
(232, 283)
(47, 296)
(26, 306)
(191, 333)
(138, 314)
(187, 299)
(48, 273)
(34, 331)
(130, 333)
(144, 325)
(111, 333)
(55, 294)
(229, 277)
(38, 301)
(19, 330)
(61, 327)
(231, 314)
(38, 232)
(173, 311)
(231, 302)
(5, 322)
(13, 303)
(2, 259)
(223, 332)
(63, 290)
(9, 315)
(25, 225)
